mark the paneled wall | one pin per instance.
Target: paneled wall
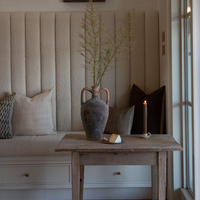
(39, 50)
(59, 5)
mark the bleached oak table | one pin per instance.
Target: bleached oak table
(133, 151)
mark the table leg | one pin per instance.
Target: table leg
(75, 162)
(154, 180)
(81, 181)
(161, 175)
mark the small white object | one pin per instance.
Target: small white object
(105, 139)
(115, 138)
(146, 135)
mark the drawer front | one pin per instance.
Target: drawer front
(35, 174)
(139, 175)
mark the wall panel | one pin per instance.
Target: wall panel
(48, 56)
(123, 74)
(89, 82)
(5, 70)
(63, 80)
(77, 71)
(33, 71)
(152, 72)
(108, 81)
(138, 52)
(18, 78)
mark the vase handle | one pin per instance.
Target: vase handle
(107, 92)
(88, 89)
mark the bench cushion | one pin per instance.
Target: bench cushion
(33, 145)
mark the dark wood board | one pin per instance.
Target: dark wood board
(73, 1)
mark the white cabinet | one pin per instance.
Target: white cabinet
(35, 172)
(49, 178)
(29, 176)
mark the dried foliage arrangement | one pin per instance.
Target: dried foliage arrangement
(102, 56)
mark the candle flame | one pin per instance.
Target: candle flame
(145, 102)
(188, 10)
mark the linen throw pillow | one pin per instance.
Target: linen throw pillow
(154, 110)
(5, 117)
(33, 116)
(120, 120)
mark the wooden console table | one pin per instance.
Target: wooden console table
(133, 151)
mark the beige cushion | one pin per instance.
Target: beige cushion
(120, 120)
(33, 116)
(34, 145)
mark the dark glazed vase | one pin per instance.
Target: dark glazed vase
(94, 113)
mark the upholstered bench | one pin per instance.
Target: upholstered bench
(39, 51)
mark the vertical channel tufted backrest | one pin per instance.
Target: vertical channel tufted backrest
(39, 50)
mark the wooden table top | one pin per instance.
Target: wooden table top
(131, 143)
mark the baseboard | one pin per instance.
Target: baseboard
(89, 194)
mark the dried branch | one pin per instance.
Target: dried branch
(100, 56)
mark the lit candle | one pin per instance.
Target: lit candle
(188, 10)
(145, 117)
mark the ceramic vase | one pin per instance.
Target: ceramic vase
(94, 113)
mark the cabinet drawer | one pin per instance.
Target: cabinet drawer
(119, 174)
(35, 174)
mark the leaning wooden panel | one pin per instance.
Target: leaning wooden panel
(18, 76)
(138, 52)
(48, 56)
(77, 71)
(108, 81)
(5, 72)
(63, 84)
(152, 72)
(123, 72)
(33, 75)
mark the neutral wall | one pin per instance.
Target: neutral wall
(58, 5)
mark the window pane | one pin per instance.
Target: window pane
(189, 149)
(188, 61)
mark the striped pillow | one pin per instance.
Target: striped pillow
(5, 117)
(120, 120)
